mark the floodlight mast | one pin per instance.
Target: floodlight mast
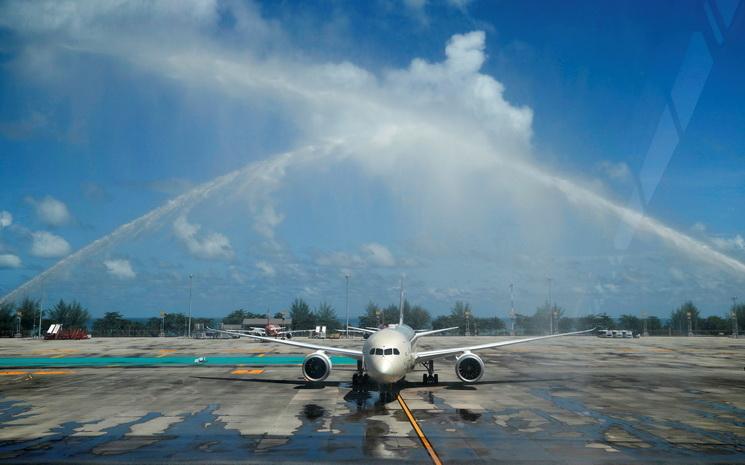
(512, 309)
(188, 332)
(346, 278)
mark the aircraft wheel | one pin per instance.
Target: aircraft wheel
(355, 381)
(425, 378)
(437, 379)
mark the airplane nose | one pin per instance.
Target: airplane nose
(383, 370)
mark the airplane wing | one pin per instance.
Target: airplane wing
(362, 330)
(357, 354)
(433, 354)
(297, 331)
(421, 333)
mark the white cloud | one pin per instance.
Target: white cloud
(616, 171)
(426, 132)
(371, 254)
(51, 211)
(266, 268)
(340, 260)
(120, 268)
(729, 244)
(699, 227)
(6, 219)
(9, 261)
(47, 245)
(378, 255)
(212, 246)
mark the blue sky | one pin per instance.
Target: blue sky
(277, 147)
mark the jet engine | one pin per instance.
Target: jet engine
(316, 366)
(469, 367)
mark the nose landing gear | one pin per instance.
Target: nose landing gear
(360, 380)
(430, 377)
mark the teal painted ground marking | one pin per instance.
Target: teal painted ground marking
(21, 362)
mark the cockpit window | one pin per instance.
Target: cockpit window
(395, 351)
(389, 351)
(378, 351)
(372, 351)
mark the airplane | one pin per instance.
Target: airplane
(389, 353)
(269, 330)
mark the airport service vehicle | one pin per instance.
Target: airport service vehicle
(605, 333)
(389, 353)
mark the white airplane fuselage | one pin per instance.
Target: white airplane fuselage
(389, 354)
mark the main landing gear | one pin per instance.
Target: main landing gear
(430, 377)
(360, 380)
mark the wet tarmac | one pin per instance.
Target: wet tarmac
(579, 400)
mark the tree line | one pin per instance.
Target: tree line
(73, 315)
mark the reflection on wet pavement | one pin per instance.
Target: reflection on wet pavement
(549, 406)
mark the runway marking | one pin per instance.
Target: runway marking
(422, 437)
(261, 355)
(43, 372)
(165, 352)
(247, 372)
(53, 372)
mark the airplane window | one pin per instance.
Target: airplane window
(378, 351)
(389, 351)
(372, 351)
(395, 351)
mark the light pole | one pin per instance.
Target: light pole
(645, 333)
(512, 310)
(346, 278)
(550, 309)
(162, 324)
(190, 281)
(735, 329)
(41, 307)
(18, 328)
(555, 317)
(690, 329)
(468, 323)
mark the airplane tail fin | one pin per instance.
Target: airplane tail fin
(401, 305)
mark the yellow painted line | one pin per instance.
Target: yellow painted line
(53, 372)
(164, 352)
(43, 372)
(422, 437)
(261, 355)
(247, 372)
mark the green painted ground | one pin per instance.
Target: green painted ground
(82, 362)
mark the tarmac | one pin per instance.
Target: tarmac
(577, 400)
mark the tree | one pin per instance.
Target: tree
(235, 317)
(7, 318)
(326, 316)
(370, 318)
(488, 326)
(457, 318)
(630, 322)
(679, 317)
(29, 310)
(70, 316)
(654, 323)
(302, 317)
(416, 316)
(716, 324)
(389, 315)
